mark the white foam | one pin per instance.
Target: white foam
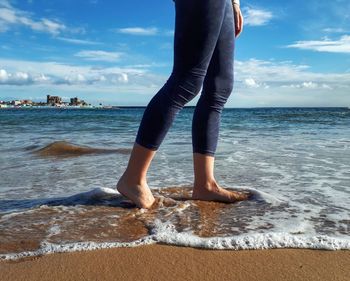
(54, 230)
(268, 198)
(96, 193)
(50, 248)
(288, 232)
(166, 233)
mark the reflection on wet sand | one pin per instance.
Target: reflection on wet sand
(208, 214)
(205, 218)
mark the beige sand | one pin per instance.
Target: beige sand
(160, 262)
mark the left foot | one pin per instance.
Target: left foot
(139, 193)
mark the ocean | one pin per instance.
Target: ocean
(59, 168)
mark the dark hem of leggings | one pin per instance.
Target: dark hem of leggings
(151, 147)
(205, 152)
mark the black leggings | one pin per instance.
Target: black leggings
(203, 58)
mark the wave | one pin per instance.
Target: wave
(66, 149)
(96, 196)
(166, 234)
(175, 220)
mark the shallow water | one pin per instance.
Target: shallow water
(59, 169)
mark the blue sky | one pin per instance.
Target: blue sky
(290, 53)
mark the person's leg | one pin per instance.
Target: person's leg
(218, 85)
(197, 28)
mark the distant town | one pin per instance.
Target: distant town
(51, 102)
(57, 102)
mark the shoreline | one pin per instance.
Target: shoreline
(164, 262)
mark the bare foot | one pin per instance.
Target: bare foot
(213, 192)
(140, 194)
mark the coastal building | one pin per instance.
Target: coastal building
(16, 102)
(26, 102)
(53, 100)
(77, 102)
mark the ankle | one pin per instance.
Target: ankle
(132, 179)
(207, 185)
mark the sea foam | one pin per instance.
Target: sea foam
(165, 232)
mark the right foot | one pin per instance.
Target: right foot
(213, 192)
(140, 194)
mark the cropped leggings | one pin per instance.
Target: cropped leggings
(203, 59)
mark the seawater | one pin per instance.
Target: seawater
(59, 168)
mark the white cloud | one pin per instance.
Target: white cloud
(5, 4)
(78, 41)
(16, 78)
(308, 85)
(325, 45)
(11, 17)
(249, 74)
(20, 78)
(41, 78)
(18, 72)
(3, 75)
(99, 55)
(334, 30)
(123, 77)
(257, 82)
(282, 83)
(256, 17)
(250, 82)
(280, 72)
(150, 65)
(138, 30)
(75, 79)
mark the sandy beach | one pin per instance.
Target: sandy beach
(161, 262)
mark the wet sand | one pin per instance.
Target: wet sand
(162, 262)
